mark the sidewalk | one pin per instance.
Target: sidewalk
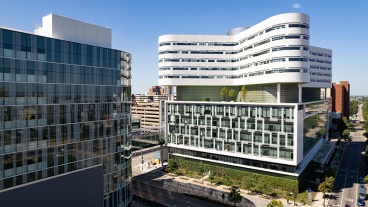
(256, 199)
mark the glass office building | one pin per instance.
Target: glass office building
(64, 106)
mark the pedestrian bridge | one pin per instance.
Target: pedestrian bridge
(148, 150)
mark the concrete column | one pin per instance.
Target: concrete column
(278, 92)
(300, 93)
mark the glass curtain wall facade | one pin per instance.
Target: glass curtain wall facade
(64, 106)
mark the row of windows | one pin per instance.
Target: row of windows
(250, 37)
(31, 93)
(235, 52)
(321, 74)
(196, 60)
(320, 80)
(320, 67)
(198, 43)
(320, 54)
(255, 148)
(299, 25)
(288, 48)
(274, 28)
(306, 37)
(263, 72)
(196, 68)
(320, 61)
(234, 60)
(28, 46)
(231, 159)
(212, 52)
(230, 110)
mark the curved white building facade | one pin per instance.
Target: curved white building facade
(276, 50)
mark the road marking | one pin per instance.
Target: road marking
(342, 197)
(349, 200)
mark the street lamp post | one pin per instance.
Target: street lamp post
(294, 195)
(202, 171)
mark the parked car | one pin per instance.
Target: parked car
(360, 202)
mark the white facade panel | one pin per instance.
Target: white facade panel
(60, 27)
(278, 43)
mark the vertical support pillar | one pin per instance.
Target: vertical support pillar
(300, 93)
(171, 93)
(278, 92)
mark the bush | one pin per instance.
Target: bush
(259, 182)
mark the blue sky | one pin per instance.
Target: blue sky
(137, 24)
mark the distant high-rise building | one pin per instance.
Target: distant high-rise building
(65, 116)
(154, 94)
(340, 94)
(148, 106)
(253, 99)
(149, 113)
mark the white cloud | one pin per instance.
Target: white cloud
(296, 6)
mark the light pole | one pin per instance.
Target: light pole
(202, 171)
(294, 194)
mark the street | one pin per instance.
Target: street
(352, 167)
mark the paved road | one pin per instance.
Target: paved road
(352, 167)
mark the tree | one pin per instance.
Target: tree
(366, 150)
(330, 172)
(354, 107)
(234, 195)
(326, 187)
(350, 126)
(172, 165)
(341, 125)
(275, 203)
(243, 93)
(223, 93)
(365, 179)
(345, 134)
(231, 94)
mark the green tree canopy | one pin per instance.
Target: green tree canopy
(326, 186)
(350, 126)
(366, 179)
(234, 195)
(354, 107)
(243, 93)
(345, 134)
(275, 203)
(231, 94)
(223, 93)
